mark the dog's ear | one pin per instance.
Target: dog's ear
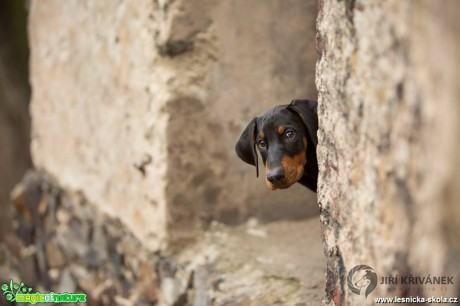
(307, 111)
(246, 146)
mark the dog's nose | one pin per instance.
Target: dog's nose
(275, 177)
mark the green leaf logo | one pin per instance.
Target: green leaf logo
(10, 291)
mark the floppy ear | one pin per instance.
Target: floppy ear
(307, 111)
(246, 146)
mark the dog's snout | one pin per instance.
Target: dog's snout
(276, 177)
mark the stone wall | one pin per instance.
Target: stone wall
(138, 105)
(388, 142)
(62, 244)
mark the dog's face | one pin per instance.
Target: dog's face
(282, 142)
(284, 136)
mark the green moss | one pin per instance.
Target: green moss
(284, 289)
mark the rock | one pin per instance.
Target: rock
(148, 281)
(237, 301)
(63, 217)
(28, 270)
(14, 245)
(203, 279)
(256, 232)
(92, 258)
(252, 223)
(388, 142)
(54, 255)
(98, 255)
(171, 289)
(66, 283)
(54, 275)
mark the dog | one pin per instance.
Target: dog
(286, 138)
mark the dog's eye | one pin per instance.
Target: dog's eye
(261, 144)
(290, 134)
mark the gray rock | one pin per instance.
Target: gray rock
(54, 255)
(66, 283)
(388, 140)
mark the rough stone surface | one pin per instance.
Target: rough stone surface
(63, 244)
(388, 143)
(138, 105)
(257, 264)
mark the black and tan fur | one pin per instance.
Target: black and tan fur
(286, 139)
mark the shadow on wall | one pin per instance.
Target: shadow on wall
(14, 99)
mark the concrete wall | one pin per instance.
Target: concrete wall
(388, 142)
(138, 105)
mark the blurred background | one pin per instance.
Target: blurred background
(14, 101)
(134, 193)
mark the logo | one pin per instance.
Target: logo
(21, 293)
(362, 280)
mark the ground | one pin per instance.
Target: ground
(280, 263)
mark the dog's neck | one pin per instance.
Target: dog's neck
(309, 181)
(310, 175)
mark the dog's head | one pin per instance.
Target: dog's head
(285, 137)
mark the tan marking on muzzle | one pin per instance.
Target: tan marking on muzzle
(293, 168)
(267, 182)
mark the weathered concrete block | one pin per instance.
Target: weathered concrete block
(96, 107)
(388, 152)
(138, 105)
